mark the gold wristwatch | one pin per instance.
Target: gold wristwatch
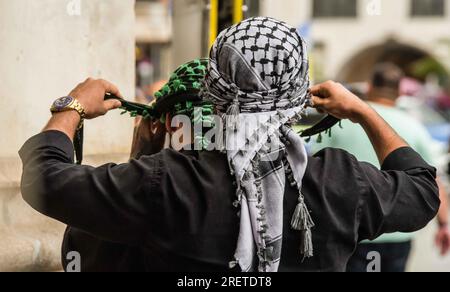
(68, 103)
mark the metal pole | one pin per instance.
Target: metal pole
(238, 11)
(213, 21)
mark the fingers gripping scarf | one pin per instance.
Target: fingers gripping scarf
(259, 69)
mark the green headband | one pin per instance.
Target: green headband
(182, 90)
(181, 96)
(187, 79)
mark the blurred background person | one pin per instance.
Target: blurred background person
(382, 96)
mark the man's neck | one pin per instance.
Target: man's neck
(382, 101)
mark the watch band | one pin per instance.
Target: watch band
(73, 105)
(80, 110)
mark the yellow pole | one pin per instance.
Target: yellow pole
(238, 12)
(213, 21)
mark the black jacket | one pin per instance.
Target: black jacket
(174, 211)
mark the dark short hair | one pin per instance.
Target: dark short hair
(387, 76)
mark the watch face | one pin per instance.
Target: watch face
(62, 102)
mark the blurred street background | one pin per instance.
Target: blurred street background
(49, 46)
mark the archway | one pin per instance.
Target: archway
(359, 67)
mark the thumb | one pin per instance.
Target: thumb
(112, 104)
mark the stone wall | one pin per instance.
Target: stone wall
(46, 48)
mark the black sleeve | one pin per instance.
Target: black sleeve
(109, 201)
(402, 197)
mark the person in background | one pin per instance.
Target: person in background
(383, 93)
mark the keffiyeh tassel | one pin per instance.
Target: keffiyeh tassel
(302, 221)
(233, 115)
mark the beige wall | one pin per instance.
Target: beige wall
(44, 52)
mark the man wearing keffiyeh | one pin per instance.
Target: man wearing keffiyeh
(258, 203)
(260, 66)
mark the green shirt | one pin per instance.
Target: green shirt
(354, 140)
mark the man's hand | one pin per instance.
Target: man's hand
(443, 235)
(91, 94)
(149, 138)
(443, 240)
(336, 100)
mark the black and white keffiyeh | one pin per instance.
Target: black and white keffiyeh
(258, 80)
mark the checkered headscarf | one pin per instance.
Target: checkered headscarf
(259, 69)
(272, 62)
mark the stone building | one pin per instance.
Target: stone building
(348, 36)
